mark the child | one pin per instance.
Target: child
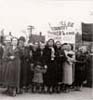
(39, 61)
(38, 77)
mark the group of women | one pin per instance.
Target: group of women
(42, 68)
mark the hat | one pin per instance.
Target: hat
(30, 44)
(83, 48)
(22, 38)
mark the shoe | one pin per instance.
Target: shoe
(5, 92)
(78, 89)
(14, 93)
(67, 91)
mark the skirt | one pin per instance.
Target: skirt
(67, 73)
(50, 77)
(38, 78)
(11, 73)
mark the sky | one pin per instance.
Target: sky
(16, 15)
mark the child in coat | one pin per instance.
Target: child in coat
(37, 80)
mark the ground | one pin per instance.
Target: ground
(85, 94)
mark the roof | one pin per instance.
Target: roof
(37, 38)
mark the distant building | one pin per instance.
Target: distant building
(78, 41)
(37, 38)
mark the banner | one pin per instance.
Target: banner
(64, 32)
(87, 32)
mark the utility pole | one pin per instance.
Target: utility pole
(30, 28)
(2, 36)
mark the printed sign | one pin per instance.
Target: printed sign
(64, 32)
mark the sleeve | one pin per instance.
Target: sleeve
(45, 56)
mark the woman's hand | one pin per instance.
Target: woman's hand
(45, 66)
(12, 57)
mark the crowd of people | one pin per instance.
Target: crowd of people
(40, 67)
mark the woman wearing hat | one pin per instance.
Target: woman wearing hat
(11, 67)
(24, 54)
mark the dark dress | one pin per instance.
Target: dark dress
(11, 69)
(89, 70)
(60, 58)
(1, 63)
(50, 77)
(30, 72)
(25, 67)
(80, 69)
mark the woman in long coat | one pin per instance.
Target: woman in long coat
(81, 69)
(1, 62)
(24, 55)
(60, 58)
(67, 67)
(11, 69)
(50, 78)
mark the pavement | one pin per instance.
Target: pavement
(85, 94)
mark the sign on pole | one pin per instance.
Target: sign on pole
(87, 32)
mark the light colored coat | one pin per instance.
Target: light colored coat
(68, 69)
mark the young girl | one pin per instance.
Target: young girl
(38, 77)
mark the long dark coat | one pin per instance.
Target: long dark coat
(50, 77)
(90, 71)
(25, 67)
(1, 63)
(60, 58)
(80, 69)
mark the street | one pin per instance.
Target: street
(85, 94)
